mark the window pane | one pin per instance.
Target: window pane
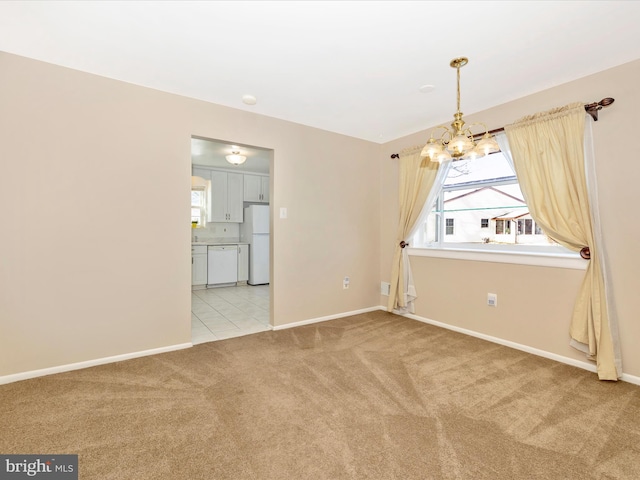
(428, 232)
(483, 200)
(449, 227)
(197, 198)
(528, 226)
(469, 206)
(481, 169)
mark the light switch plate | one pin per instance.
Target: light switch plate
(283, 212)
(492, 299)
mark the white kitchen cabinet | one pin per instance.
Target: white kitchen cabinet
(243, 263)
(201, 172)
(198, 265)
(226, 197)
(265, 189)
(256, 188)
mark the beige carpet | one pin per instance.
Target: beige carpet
(374, 396)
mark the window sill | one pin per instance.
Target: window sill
(554, 260)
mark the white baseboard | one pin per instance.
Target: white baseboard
(518, 346)
(89, 363)
(324, 319)
(630, 379)
(118, 358)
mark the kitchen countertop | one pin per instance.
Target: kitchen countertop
(219, 243)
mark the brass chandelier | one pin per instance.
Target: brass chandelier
(457, 142)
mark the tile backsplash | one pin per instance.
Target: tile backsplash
(217, 232)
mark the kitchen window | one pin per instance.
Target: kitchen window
(200, 200)
(199, 205)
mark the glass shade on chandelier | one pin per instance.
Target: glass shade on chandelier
(457, 142)
(235, 158)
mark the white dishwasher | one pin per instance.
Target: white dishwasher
(222, 264)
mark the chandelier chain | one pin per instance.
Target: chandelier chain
(458, 94)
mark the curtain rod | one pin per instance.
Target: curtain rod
(591, 108)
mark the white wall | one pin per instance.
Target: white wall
(536, 302)
(89, 279)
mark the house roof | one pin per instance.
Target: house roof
(483, 189)
(510, 216)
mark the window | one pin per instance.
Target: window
(449, 229)
(482, 198)
(528, 227)
(503, 227)
(198, 205)
(200, 199)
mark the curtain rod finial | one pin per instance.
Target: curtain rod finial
(592, 108)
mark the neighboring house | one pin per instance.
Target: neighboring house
(520, 228)
(489, 215)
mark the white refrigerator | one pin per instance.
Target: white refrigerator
(255, 231)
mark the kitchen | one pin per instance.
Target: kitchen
(230, 240)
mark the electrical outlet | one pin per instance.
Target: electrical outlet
(345, 283)
(385, 288)
(492, 299)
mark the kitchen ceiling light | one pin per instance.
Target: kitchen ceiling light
(456, 143)
(235, 158)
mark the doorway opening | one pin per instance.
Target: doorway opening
(231, 224)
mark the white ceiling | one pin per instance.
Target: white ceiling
(349, 67)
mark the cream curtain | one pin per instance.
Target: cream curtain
(417, 177)
(548, 155)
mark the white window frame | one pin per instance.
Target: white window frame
(202, 207)
(540, 255)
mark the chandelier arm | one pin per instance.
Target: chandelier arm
(445, 128)
(486, 130)
(446, 133)
(467, 132)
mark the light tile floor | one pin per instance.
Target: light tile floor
(226, 312)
